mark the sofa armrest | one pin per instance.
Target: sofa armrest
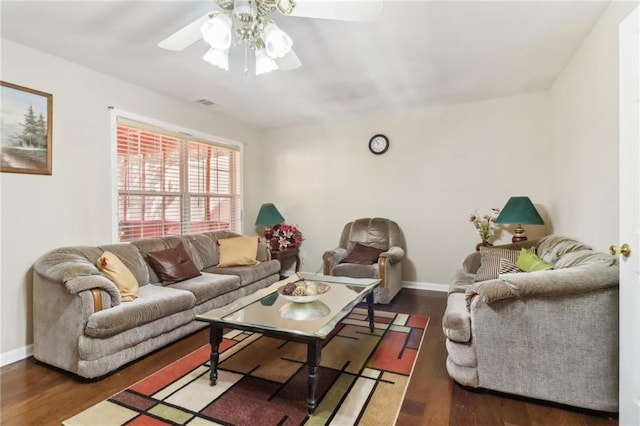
(394, 255)
(65, 263)
(74, 268)
(331, 258)
(264, 253)
(550, 283)
(95, 282)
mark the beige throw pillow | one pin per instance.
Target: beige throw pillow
(113, 268)
(238, 251)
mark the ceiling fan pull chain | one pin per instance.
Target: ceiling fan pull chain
(246, 58)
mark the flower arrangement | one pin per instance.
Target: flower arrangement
(285, 236)
(485, 225)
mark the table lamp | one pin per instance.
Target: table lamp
(267, 217)
(519, 210)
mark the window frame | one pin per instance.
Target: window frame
(171, 130)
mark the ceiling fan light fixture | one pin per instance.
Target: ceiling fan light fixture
(216, 31)
(218, 57)
(277, 42)
(246, 8)
(264, 63)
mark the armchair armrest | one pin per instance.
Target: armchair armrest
(394, 255)
(331, 258)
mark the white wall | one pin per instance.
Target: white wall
(584, 129)
(443, 163)
(73, 206)
(558, 148)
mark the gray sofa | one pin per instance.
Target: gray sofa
(81, 325)
(549, 335)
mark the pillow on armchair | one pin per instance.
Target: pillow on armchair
(363, 255)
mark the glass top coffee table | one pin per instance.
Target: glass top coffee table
(272, 314)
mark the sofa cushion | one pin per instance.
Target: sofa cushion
(173, 265)
(363, 255)
(238, 251)
(355, 270)
(204, 250)
(153, 302)
(147, 245)
(113, 268)
(206, 286)
(490, 261)
(585, 257)
(552, 247)
(249, 274)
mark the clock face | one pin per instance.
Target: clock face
(379, 144)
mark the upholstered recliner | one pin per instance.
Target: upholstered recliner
(373, 233)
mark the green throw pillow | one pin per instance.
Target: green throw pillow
(529, 262)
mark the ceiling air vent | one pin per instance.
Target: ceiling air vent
(205, 102)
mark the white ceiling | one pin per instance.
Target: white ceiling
(419, 53)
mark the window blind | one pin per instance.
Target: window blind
(168, 185)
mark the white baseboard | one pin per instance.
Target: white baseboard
(19, 354)
(425, 286)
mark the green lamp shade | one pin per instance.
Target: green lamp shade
(268, 215)
(520, 210)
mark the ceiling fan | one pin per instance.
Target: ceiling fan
(249, 23)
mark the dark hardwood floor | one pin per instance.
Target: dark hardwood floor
(34, 394)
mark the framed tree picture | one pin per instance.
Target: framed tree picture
(25, 130)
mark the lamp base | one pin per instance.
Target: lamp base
(519, 235)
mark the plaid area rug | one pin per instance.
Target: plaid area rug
(263, 381)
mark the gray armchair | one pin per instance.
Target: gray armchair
(372, 233)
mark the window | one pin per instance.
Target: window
(170, 184)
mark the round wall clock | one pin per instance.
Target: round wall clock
(378, 144)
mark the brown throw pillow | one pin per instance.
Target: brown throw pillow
(363, 255)
(490, 262)
(172, 265)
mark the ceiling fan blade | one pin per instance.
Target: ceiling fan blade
(185, 36)
(348, 10)
(289, 62)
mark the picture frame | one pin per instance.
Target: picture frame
(25, 130)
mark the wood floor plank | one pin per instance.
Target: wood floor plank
(35, 394)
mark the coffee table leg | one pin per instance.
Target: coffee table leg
(314, 349)
(370, 310)
(215, 337)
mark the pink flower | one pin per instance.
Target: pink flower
(287, 235)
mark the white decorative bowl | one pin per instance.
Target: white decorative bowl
(321, 287)
(304, 311)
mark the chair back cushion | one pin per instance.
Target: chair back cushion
(375, 232)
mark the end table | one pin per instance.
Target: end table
(285, 254)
